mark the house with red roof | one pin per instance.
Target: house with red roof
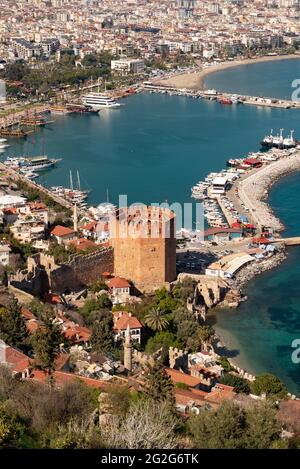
(10, 215)
(193, 400)
(123, 320)
(76, 334)
(16, 361)
(61, 378)
(119, 287)
(178, 377)
(96, 230)
(82, 244)
(62, 234)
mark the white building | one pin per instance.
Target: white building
(127, 66)
(219, 186)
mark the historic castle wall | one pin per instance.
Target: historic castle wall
(81, 270)
(43, 274)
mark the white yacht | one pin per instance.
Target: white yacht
(36, 163)
(99, 101)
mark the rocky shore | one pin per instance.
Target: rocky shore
(254, 269)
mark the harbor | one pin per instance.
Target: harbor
(222, 97)
(88, 145)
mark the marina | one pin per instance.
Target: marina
(127, 151)
(221, 97)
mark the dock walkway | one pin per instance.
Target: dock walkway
(260, 101)
(16, 177)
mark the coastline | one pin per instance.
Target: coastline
(196, 80)
(258, 185)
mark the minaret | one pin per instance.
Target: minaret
(128, 350)
(75, 218)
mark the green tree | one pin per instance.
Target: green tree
(156, 319)
(16, 71)
(164, 339)
(97, 286)
(224, 362)
(184, 290)
(102, 337)
(95, 304)
(269, 384)
(186, 329)
(263, 429)
(206, 335)
(239, 384)
(46, 345)
(11, 429)
(159, 386)
(12, 326)
(231, 427)
(219, 429)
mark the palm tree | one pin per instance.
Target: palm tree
(155, 320)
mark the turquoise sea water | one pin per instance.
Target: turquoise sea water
(261, 331)
(155, 147)
(272, 79)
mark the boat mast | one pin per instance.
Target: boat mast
(71, 180)
(78, 180)
(281, 136)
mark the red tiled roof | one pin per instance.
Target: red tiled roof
(220, 392)
(61, 360)
(38, 206)
(18, 360)
(62, 377)
(213, 231)
(26, 313)
(123, 319)
(204, 371)
(118, 282)
(62, 231)
(179, 377)
(77, 334)
(32, 325)
(9, 210)
(82, 243)
(89, 226)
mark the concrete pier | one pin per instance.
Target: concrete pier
(253, 190)
(16, 177)
(243, 99)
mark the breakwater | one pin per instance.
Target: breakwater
(253, 190)
(223, 97)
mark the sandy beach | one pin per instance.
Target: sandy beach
(195, 80)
